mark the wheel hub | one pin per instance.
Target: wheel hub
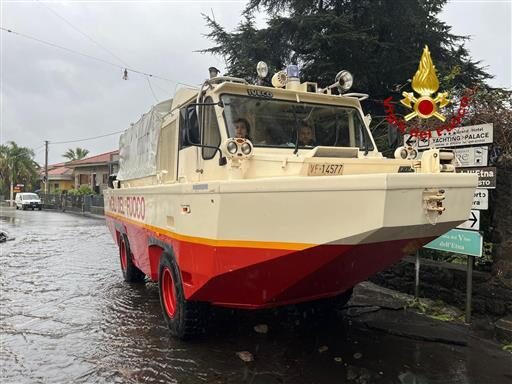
(168, 293)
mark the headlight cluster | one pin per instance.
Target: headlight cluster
(238, 148)
(406, 153)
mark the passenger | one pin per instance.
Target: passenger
(306, 136)
(242, 129)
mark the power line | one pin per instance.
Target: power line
(94, 58)
(152, 90)
(82, 33)
(69, 23)
(86, 139)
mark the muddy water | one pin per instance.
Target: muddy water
(67, 317)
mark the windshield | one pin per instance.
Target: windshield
(29, 196)
(279, 123)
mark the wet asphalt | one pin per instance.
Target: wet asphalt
(67, 316)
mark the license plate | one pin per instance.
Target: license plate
(325, 169)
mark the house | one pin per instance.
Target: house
(60, 178)
(94, 171)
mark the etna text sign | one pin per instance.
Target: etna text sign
(472, 156)
(481, 199)
(457, 137)
(473, 222)
(486, 176)
(459, 241)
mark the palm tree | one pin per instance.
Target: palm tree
(75, 154)
(17, 166)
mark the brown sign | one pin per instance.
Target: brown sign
(486, 176)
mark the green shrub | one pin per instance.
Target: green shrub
(83, 190)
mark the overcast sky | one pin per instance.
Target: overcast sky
(50, 94)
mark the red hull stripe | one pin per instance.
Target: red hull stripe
(237, 275)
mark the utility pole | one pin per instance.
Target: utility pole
(46, 167)
(11, 201)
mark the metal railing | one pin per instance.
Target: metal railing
(74, 203)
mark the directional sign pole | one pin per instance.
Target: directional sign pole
(417, 275)
(469, 288)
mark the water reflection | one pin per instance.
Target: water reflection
(67, 316)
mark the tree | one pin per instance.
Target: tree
(75, 154)
(17, 166)
(380, 42)
(495, 106)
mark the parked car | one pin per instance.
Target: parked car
(26, 200)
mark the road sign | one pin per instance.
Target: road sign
(481, 199)
(459, 241)
(472, 156)
(473, 222)
(457, 137)
(486, 176)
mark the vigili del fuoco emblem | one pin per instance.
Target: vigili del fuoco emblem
(425, 83)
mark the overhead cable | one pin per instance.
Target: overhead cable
(86, 139)
(94, 58)
(82, 33)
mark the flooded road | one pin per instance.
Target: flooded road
(66, 316)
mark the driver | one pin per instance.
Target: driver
(306, 136)
(242, 129)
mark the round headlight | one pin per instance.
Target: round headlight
(345, 80)
(246, 148)
(413, 154)
(232, 147)
(262, 69)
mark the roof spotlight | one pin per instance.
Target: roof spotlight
(344, 80)
(262, 69)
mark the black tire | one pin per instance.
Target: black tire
(17, 207)
(39, 208)
(24, 208)
(184, 318)
(131, 273)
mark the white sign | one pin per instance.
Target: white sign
(481, 199)
(457, 137)
(473, 222)
(472, 156)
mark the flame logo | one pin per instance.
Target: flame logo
(425, 81)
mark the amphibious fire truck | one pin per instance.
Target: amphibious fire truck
(265, 220)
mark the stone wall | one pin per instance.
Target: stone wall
(447, 282)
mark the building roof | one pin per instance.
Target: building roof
(103, 158)
(60, 171)
(56, 165)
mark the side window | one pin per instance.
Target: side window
(194, 126)
(210, 128)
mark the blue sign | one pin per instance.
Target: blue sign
(459, 241)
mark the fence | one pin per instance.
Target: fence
(74, 203)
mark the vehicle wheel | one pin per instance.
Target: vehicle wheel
(184, 318)
(39, 208)
(17, 207)
(131, 273)
(23, 208)
(32, 208)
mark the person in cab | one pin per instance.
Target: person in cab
(306, 136)
(242, 129)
